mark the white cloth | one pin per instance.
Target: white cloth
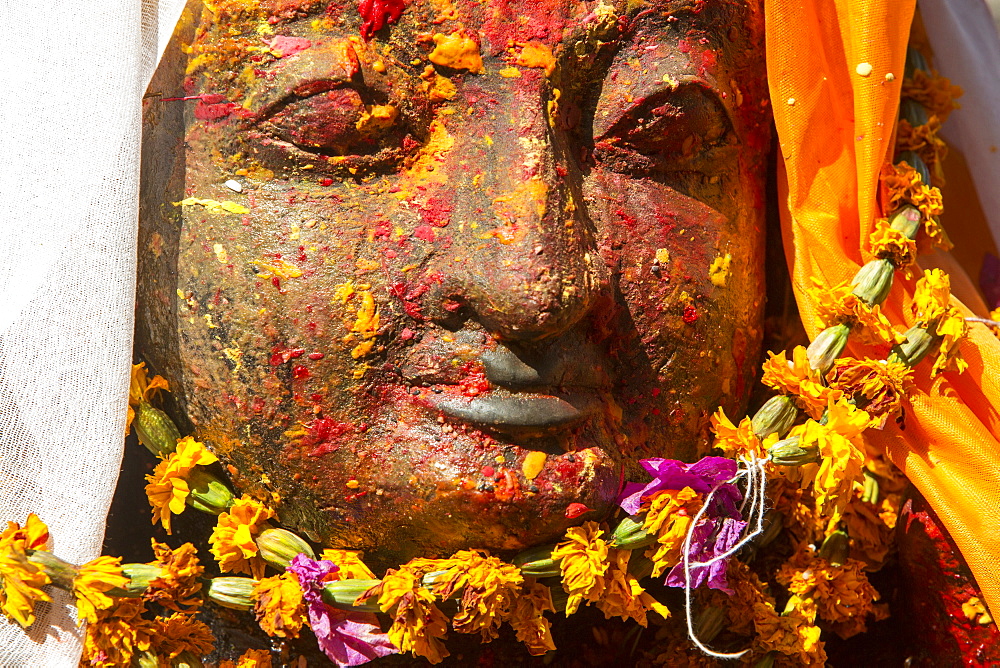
(73, 77)
(967, 51)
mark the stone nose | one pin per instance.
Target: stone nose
(525, 266)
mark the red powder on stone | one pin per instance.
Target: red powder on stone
(299, 372)
(424, 232)
(376, 13)
(690, 314)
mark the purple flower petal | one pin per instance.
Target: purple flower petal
(348, 638)
(701, 476)
(710, 539)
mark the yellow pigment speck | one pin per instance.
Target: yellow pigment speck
(344, 291)
(536, 54)
(353, 484)
(533, 464)
(718, 271)
(500, 459)
(510, 73)
(220, 253)
(280, 268)
(662, 255)
(212, 206)
(457, 51)
(366, 324)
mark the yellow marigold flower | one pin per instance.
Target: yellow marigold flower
(584, 556)
(735, 441)
(117, 634)
(924, 141)
(90, 584)
(528, 620)
(232, 538)
(840, 593)
(279, 606)
(417, 625)
(842, 457)
(933, 310)
(252, 658)
(839, 305)
(22, 583)
(793, 635)
(933, 92)
(797, 507)
(34, 535)
(179, 587)
(350, 565)
(893, 245)
(180, 633)
(882, 383)
(871, 534)
(141, 389)
(670, 514)
(168, 489)
(797, 378)
(624, 597)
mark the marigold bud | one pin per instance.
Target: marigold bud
(537, 562)
(915, 161)
(790, 452)
(156, 431)
(913, 112)
(918, 343)
(139, 575)
(871, 491)
(232, 592)
(827, 347)
(873, 281)
(278, 547)
(342, 594)
(907, 220)
(776, 416)
(629, 534)
(208, 493)
(836, 548)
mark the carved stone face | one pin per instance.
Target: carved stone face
(493, 257)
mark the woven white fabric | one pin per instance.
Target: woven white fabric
(74, 72)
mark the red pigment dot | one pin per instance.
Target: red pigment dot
(326, 182)
(299, 372)
(690, 314)
(316, 356)
(488, 472)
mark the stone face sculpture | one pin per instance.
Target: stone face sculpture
(444, 287)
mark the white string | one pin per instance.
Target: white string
(757, 494)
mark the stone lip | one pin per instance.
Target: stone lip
(500, 409)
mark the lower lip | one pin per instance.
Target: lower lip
(514, 411)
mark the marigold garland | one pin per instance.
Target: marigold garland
(178, 588)
(669, 518)
(924, 141)
(584, 561)
(932, 308)
(90, 585)
(142, 389)
(878, 385)
(279, 605)
(178, 633)
(890, 244)
(796, 378)
(117, 634)
(839, 305)
(932, 91)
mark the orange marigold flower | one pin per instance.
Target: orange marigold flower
(178, 588)
(840, 593)
(906, 186)
(669, 516)
(279, 606)
(584, 561)
(735, 441)
(924, 141)
(90, 584)
(889, 244)
(142, 389)
(349, 564)
(34, 535)
(933, 310)
(883, 384)
(797, 378)
(528, 620)
(233, 537)
(417, 624)
(623, 596)
(181, 633)
(869, 526)
(168, 489)
(252, 658)
(933, 92)
(843, 455)
(793, 635)
(117, 634)
(839, 305)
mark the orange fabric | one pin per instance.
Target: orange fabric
(835, 129)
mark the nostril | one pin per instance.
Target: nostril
(506, 369)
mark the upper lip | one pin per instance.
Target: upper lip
(499, 409)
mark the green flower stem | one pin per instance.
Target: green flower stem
(629, 534)
(342, 594)
(208, 493)
(537, 562)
